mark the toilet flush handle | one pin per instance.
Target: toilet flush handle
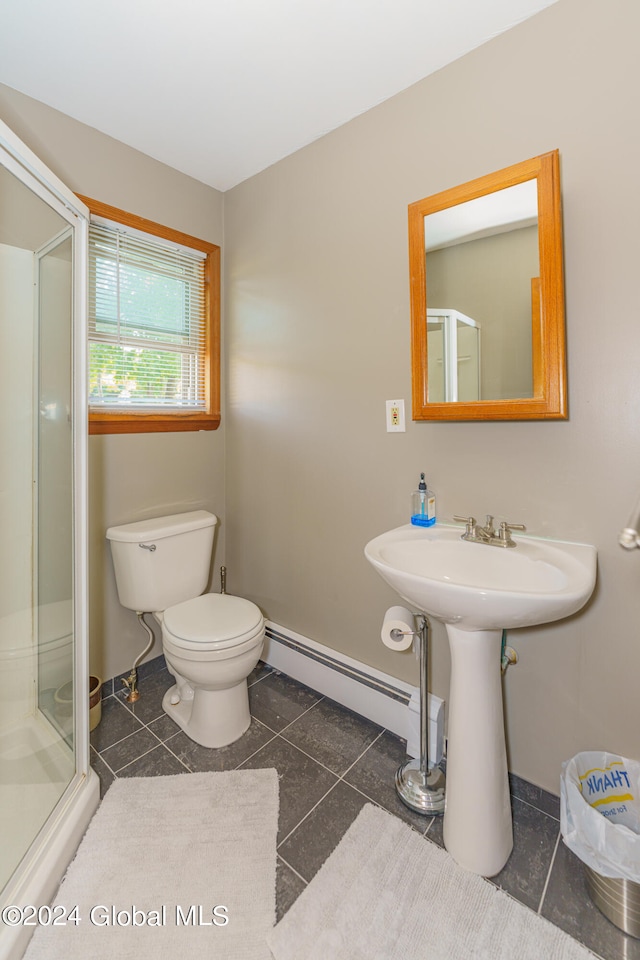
(148, 546)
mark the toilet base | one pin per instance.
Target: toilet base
(212, 718)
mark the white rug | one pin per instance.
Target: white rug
(387, 893)
(174, 848)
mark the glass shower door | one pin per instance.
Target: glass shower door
(48, 791)
(53, 488)
(37, 758)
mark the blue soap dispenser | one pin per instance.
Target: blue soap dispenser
(423, 505)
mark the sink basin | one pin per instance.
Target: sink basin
(481, 587)
(477, 591)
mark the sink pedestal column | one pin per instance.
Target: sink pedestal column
(477, 826)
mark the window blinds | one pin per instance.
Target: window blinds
(147, 323)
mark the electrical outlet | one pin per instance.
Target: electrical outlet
(395, 416)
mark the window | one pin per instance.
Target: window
(154, 326)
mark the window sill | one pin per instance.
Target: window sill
(151, 423)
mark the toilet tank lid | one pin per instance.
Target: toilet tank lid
(159, 527)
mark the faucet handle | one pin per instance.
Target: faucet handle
(471, 525)
(504, 534)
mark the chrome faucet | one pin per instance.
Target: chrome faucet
(488, 534)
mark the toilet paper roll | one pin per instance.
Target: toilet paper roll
(397, 628)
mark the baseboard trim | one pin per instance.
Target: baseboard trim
(385, 700)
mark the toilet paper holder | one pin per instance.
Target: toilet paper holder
(419, 788)
(396, 633)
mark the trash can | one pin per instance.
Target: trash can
(618, 899)
(600, 823)
(95, 702)
(63, 701)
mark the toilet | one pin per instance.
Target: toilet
(211, 641)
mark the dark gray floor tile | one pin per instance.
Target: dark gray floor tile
(289, 886)
(107, 689)
(536, 796)
(200, 759)
(374, 775)
(332, 734)
(164, 727)
(534, 839)
(303, 782)
(157, 763)
(152, 689)
(277, 700)
(307, 848)
(129, 749)
(259, 672)
(117, 723)
(567, 904)
(316, 808)
(105, 775)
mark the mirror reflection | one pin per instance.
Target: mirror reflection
(487, 301)
(481, 257)
(454, 356)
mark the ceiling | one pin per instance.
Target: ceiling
(221, 89)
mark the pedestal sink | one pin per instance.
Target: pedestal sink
(478, 590)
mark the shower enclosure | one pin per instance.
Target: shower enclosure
(47, 789)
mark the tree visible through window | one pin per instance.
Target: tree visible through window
(153, 326)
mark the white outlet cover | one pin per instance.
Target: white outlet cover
(395, 416)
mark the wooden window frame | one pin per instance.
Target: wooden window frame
(135, 421)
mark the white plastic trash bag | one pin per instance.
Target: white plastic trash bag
(600, 812)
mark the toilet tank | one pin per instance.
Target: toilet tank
(162, 561)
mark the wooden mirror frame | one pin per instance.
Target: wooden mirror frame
(549, 401)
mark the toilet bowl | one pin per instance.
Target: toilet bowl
(211, 642)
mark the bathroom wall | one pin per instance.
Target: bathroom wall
(317, 326)
(138, 475)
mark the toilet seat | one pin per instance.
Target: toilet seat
(212, 621)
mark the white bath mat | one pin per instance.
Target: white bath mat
(387, 893)
(186, 852)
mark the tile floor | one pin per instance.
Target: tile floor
(331, 762)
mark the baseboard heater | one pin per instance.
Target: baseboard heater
(385, 700)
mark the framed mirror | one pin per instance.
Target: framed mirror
(487, 298)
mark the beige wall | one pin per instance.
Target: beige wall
(317, 321)
(140, 475)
